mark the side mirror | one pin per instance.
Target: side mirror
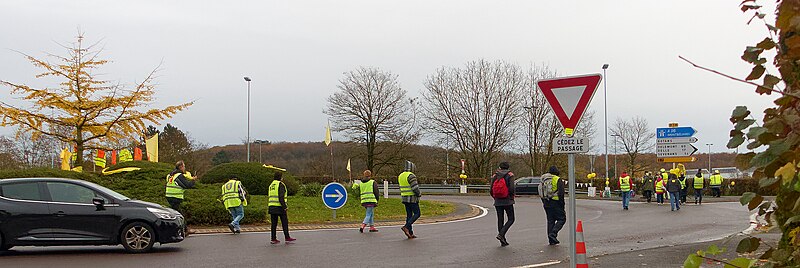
(99, 203)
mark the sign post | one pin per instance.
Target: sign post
(334, 195)
(569, 97)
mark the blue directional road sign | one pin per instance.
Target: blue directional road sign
(334, 195)
(675, 132)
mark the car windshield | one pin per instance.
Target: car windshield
(109, 192)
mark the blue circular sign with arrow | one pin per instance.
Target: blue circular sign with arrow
(334, 195)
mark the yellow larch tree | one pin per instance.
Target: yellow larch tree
(94, 111)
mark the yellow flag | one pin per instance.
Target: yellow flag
(151, 145)
(65, 156)
(328, 134)
(348, 164)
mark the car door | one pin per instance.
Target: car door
(75, 218)
(523, 186)
(23, 212)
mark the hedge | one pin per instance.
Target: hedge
(254, 177)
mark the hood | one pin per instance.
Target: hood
(140, 203)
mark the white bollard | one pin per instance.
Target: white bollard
(385, 189)
(463, 189)
(591, 191)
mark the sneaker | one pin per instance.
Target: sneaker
(413, 236)
(275, 241)
(405, 231)
(290, 239)
(361, 230)
(230, 226)
(373, 230)
(503, 241)
(237, 231)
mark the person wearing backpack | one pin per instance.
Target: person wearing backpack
(551, 190)
(501, 188)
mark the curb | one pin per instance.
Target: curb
(473, 212)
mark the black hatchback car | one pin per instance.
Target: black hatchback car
(61, 212)
(527, 185)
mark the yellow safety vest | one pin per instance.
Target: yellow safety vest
(173, 189)
(625, 184)
(367, 196)
(715, 180)
(554, 186)
(274, 197)
(405, 187)
(698, 182)
(683, 183)
(660, 186)
(230, 194)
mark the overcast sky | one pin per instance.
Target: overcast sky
(295, 52)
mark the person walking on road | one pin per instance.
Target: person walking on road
(177, 183)
(501, 188)
(674, 189)
(698, 188)
(234, 199)
(625, 189)
(716, 183)
(551, 190)
(660, 189)
(409, 194)
(684, 189)
(369, 200)
(648, 186)
(278, 209)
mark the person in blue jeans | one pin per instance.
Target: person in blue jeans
(625, 186)
(368, 190)
(674, 189)
(410, 194)
(234, 199)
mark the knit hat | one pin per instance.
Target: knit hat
(554, 171)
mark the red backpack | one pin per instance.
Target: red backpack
(499, 187)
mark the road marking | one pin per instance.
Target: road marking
(538, 264)
(484, 212)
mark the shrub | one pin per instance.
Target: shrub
(310, 189)
(254, 177)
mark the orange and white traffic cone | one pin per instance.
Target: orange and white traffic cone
(580, 248)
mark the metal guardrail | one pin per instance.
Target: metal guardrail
(448, 189)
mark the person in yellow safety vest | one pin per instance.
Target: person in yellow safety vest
(278, 208)
(716, 183)
(234, 199)
(625, 189)
(698, 187)
(177, 183)
(554, 206)
(684, 189)
(409, 195)
(660, 189)
(368, 190)
(664, 176)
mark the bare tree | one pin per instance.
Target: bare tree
(477, 107)
(636, 137)
(372, 109)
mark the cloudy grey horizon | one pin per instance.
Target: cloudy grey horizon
(296, 51)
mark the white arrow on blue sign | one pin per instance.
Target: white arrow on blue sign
(675, 132)
(334, 195)
(676, 140)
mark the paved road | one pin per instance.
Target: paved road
(469, 243)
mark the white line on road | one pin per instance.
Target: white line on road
(538, 264)
(484, 212)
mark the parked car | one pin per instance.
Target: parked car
(60, 212)
(527, 185)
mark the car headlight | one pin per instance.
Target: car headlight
(163, 214)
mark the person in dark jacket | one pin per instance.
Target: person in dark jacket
(674, 189)
(178, 177)
(648, 186)
(503, 204)
(409, 194)
(554, 207)
(277, 210)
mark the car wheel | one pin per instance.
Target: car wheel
(137, 237)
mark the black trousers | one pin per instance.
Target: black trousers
(284, 224)
(716, 191)
(684, 193)
(502, 228)
(649, 195)
(556, 218)
(698, 196)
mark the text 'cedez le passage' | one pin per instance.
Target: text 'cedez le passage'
(570, 145)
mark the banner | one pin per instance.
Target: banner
(125, 156)
(348, 164)
(328, 134)
(137, 154)
(100, 159)
(114, 157)
(65, 156)
(151, 145)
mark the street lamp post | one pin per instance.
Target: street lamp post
(709, 158)
(605, 113)
(259, 142)
(248, 117)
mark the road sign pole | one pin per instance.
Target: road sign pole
(572, 221)
(334, 214)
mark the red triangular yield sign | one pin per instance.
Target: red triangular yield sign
(570, 96)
